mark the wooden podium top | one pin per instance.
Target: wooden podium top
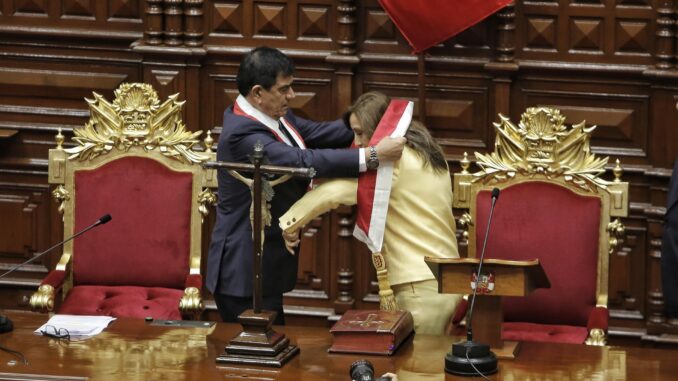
(131, 349)
(504, 277)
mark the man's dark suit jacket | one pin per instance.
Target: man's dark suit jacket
(229, 264)
(670, 248)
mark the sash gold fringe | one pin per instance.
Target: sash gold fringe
(387, 300)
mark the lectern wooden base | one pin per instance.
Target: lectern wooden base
(258, 343)
(509, 350)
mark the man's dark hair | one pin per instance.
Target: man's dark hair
(261, 66)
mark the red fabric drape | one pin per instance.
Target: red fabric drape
(425, 23)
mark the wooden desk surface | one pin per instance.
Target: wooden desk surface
(134, 350)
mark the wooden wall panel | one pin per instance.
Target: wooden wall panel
(116, 19)
(281, 23)
(599, 31)
(611, 63)
(25, 213)
(620, 110)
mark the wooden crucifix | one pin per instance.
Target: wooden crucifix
(258, 343)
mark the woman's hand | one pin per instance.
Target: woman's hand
(291, 240)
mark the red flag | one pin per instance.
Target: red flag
(425, 23)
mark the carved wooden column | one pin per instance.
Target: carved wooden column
(153, 31)
(347, 27)
(504, 64)
(193, 17)
(664, 48)
(506, 31)
(655, 300)
(345, 57)
(341, 245)
(174, 27)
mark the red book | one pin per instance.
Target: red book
(372, 332)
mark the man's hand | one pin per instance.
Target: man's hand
(390, 149)
(291, 240)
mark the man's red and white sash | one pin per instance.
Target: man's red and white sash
(374, 187)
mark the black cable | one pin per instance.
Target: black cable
(15, 353)
(474, 367)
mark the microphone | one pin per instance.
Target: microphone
(468, 357)
(5, 323)
(363, 370)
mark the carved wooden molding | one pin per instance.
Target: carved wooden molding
(665, 34)
(174, 22)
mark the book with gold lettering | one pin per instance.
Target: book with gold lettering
(373, 332)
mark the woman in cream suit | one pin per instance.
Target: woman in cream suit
(419, 221)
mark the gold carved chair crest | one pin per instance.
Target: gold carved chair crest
(135, 160)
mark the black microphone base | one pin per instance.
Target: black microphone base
(479, 355)
(5, 324)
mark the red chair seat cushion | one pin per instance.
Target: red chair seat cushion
(553, 333)
(127, 301)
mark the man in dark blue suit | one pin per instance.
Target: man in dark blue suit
(669, 258)
(261, 114)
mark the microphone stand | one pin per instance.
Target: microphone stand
(470, 358)
(5, 323)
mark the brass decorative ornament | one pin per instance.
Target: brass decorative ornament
(542, 144)
(136, 118)
(596, 338)
(61, 195)
(191, 300)
(43, 299)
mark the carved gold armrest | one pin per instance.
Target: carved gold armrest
(616, 230)
(43, 299)
(596, 337)
(191, 302)
(465, 221)
(206, 198)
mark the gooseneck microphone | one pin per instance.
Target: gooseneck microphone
(468, 357)
(5, 323)
(469, 328)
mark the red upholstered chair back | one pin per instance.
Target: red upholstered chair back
(147, 243)
(559, 227)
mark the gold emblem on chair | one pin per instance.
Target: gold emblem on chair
(136, 118)
(542, 144)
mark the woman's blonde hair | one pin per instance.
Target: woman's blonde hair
(371, 106)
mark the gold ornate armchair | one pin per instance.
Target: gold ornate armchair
(135, 160)
(554, 207)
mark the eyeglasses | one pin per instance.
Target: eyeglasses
(56, 333)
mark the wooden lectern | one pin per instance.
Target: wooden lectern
(500, 278)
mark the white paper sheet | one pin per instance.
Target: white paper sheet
(78, 326)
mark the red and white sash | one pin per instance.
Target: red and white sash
(374, 187)
(244, 108)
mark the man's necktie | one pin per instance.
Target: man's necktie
(284, 130)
